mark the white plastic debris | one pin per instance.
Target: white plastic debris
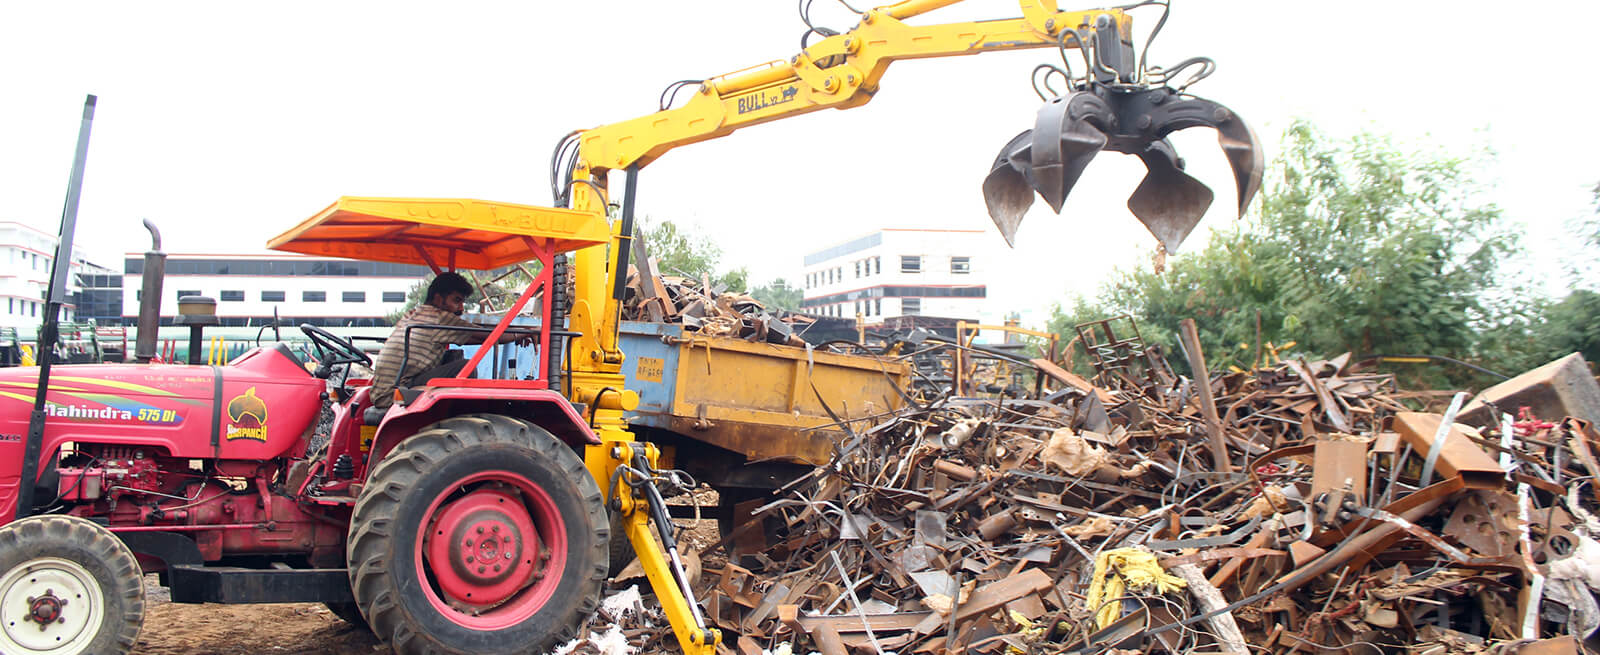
(623, 603)
(613, 642)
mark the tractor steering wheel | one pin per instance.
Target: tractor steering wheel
(333, 350)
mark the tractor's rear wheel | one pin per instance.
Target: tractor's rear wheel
(67, 587)
(479, 534)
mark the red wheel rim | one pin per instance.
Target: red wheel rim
(474, 525)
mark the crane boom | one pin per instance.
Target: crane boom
(839, 72)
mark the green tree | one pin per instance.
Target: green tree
(1356, 246)
(777, 294)
(681, 251)
(1572, 324)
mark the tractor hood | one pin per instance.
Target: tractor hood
(257, 407)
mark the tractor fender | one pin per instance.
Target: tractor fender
(542, 407)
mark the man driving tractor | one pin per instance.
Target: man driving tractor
(421, 360)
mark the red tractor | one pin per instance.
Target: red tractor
(462, 520)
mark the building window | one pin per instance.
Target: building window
(313, 296)
(33, 309)
(394, 296)
(858, 268)
(960, 265)
(232, 296)
(271, 296)
(877, 265)
(877, 306)
(353, 296)
(187, 292)
(910, 306)
(911, 263)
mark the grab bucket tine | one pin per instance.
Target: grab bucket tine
(1007, 191)
(1064, 142)
(1168, 201)
(1243, 150)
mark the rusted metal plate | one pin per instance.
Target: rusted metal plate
(1458, 456)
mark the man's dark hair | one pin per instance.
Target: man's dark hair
(446, 284)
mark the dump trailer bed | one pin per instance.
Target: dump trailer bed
(761, 401)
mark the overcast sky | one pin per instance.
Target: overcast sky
(228, 122)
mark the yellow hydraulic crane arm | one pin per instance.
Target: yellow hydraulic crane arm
(840, 72)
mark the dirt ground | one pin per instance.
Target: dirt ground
(292, 629)
(281, 629)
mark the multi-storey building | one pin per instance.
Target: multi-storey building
(250, 288)
(898, 272)
(26, 254)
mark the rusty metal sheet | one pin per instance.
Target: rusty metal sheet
(1458, 456)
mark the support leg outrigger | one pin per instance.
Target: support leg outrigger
(633, 474)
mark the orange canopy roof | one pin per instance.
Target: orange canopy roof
(454, 233)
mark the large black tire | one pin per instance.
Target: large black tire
(429, 518)
(76, 580)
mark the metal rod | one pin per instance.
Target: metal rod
(1439, 436)
(47, 332)
(630, 193)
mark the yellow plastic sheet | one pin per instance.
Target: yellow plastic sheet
(1117, 571)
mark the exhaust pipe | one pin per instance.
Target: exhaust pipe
(1109, 110)
(155, 270)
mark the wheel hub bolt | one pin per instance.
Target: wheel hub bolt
(45, 609)
(469, 559)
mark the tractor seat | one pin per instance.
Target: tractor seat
(374, 415)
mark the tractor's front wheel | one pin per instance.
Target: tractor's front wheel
(479, 534)
(67, 587)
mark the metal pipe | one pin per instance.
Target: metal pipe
(155, 271)
(47, 332)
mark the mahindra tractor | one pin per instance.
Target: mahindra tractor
(480, 515)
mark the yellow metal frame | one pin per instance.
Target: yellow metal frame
(960, 359)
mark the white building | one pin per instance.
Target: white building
(26, 254)
(898, 272)
(248, 288)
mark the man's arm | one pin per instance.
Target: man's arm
(465, 338)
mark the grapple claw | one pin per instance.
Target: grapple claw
(1070, 130)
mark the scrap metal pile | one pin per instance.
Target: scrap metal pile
(700, 308)
(1089, 519)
